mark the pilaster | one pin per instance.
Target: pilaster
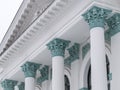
(30, 68)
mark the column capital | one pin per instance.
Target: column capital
(44, 74)
(96, 16)
(84, 88)
(21, 86)
(68, 61)
(29, 69)
(85, 49)
(8, 84)
(108, 36)
(114, 23)
(58, 46)
(74, 51)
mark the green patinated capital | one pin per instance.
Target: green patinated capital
(96, 16)
(110, 76)
(108, 35)
(29, 69)
(21, 86)
(68, 61)
(58, 46)
(85, 49)
(74, 51)
(114, 24)
(8, 84)
(74, 54)
(84, 88)
(44, 74)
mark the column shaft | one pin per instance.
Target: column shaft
(98, 62)
(57, 48)
(58, 73)
(29, 83)
(75, 75)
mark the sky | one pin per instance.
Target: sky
(8, 10)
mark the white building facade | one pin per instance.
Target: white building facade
(62, 45)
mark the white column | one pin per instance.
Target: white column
(29, 83)
(43, 79)
(114, 25)
(96, 19)
(58, 73)
(57, 48)
(98, 62)
(75, 64)
(45, 85)
(29, 69)
(75, 74)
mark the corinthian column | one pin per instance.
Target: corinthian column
(75, 63)
(114, 25)
(96, 19)
(8, 84)
(29, 69)
(57, 48)
(43, 79)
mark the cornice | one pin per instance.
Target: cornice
(11, 30)
(27, 35)
(29, 14)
